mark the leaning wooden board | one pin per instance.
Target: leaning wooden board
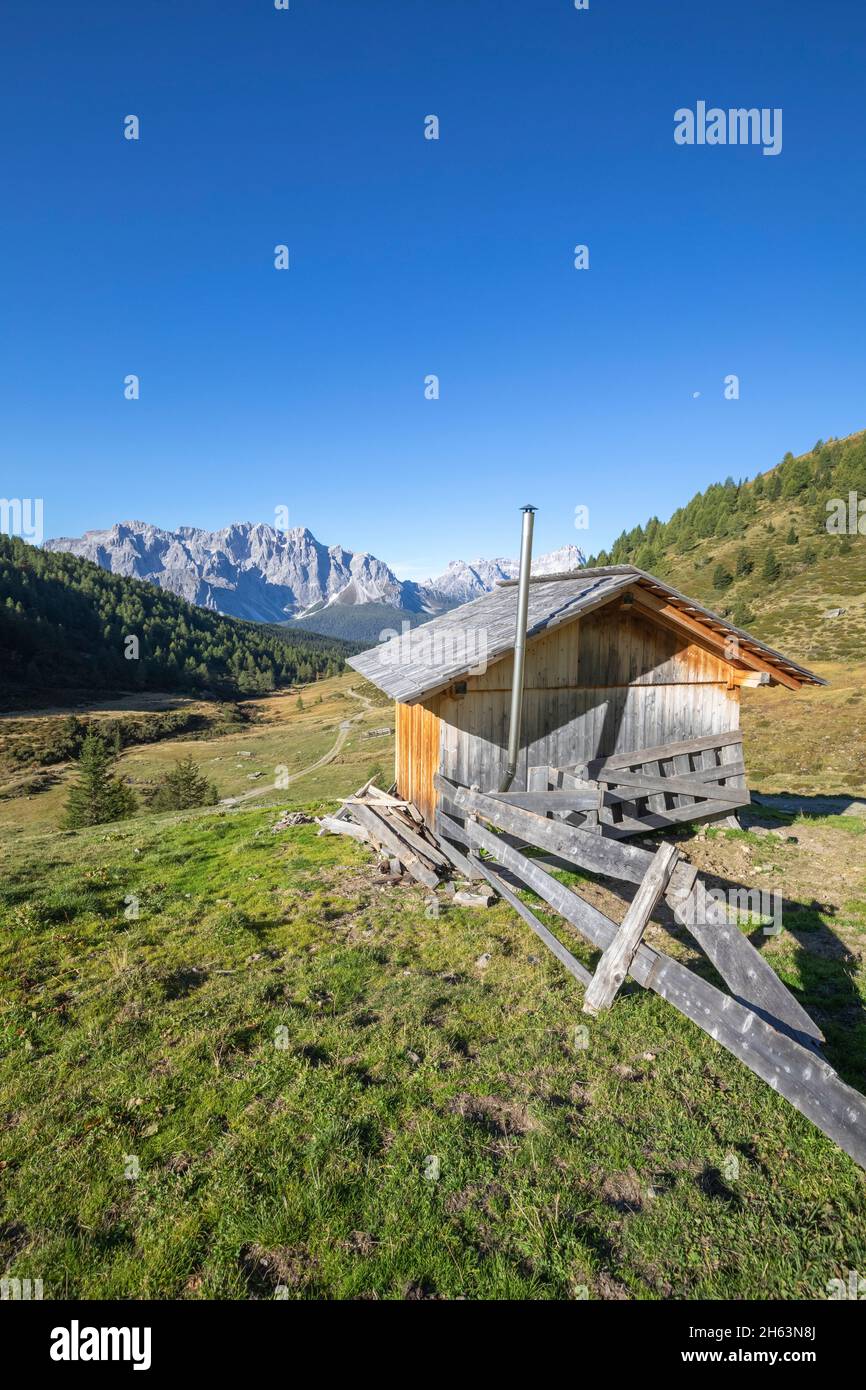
(809, 1083)
(744, 970)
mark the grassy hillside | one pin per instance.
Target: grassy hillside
(66, 624)
(283, 1078)
(715, 548)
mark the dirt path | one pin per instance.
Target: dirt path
(344, 730)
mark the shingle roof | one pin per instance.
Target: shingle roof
(421, 661)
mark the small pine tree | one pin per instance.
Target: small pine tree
(182, 788)
(772, 569)
(97, 796)
(300, 704)
(792, 537)
(810, 555)
(722, 577)
(745, 564)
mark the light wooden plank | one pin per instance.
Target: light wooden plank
(332, 825)
(616, 961)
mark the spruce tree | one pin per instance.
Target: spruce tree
(745, 564)
(772, 568)
(97, 795)
(183, 787)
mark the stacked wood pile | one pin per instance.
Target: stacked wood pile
(395, 829)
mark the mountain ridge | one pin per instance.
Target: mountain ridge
(252, 570)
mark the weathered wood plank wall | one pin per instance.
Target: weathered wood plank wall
(607, 683)
(604, 684)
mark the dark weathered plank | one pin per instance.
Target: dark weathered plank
(618, 956)
(693, 785)
(564, 956)
(548, 801)
(661, 750)
(468, 867)
(808, 1082)
(664, 820)
(382, 831)
(595, 852)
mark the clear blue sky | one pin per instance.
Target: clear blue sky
(305, 388)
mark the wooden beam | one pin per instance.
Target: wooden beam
(661, 750)
(332, 825)
(552, 943)
(548, 801)
(379, 828)
(667, 820)
(412, 838)
(597, 853)
(616, 961)
(695, 776)
(809, 1083)
(641, 784)
(343, 813)
(667, 611)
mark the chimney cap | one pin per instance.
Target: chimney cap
(528, 507)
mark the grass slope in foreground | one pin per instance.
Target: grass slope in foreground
(324, 1089)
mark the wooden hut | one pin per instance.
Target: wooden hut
(626, 720)
(623, 675)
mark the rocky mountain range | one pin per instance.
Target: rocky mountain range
(251, 570)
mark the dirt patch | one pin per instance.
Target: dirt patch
(291, 1267)
(609, 1288)
(360, 1243)
(500, 1117)
(623, 1191)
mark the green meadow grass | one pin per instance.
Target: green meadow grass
(327, 1090)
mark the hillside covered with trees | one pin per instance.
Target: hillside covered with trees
(760, 551)
(67, 624)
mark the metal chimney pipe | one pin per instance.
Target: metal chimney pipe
(516, 715)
